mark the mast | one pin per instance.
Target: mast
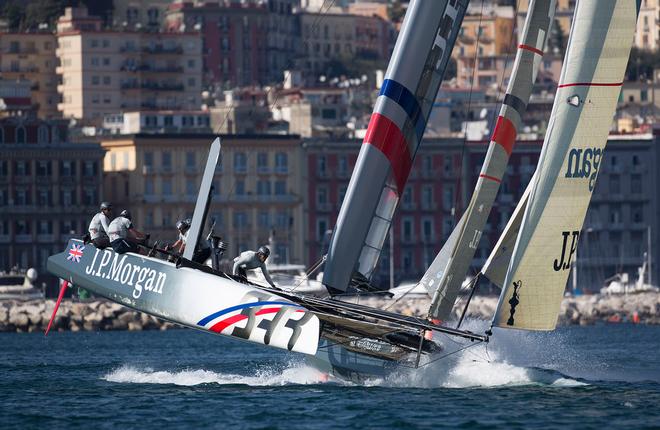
(590, 83)
(648, 255)
(395, 131)
(203, 200)
(453, 262)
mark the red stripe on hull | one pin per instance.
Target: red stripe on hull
(221, 325)
(505, 134)
(591, 84)
(492, 178)
(386, 136)
(531, 49)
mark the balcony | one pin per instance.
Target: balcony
(324, 207)
(23, 238)
(46, 238)
(428, 173)
(263, 170)
(148, 170)
(429, 206)
(409, 206)
(162, 86)
(159, 49)
(281, 170)
(151, 198)
(191, 170)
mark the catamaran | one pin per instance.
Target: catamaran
(530, 262)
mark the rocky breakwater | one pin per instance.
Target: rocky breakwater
(30, 316)
(643, 308)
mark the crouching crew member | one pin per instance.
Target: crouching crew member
(252, 260)
(123, 236)
(202, 250)
(99, 226)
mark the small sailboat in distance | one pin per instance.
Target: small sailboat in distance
(355, 341)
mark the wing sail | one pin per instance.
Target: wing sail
(526, 65)
(590, 83)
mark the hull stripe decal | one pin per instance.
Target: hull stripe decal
(505, 134)
(404, 98)
(386, 136)
(214, 315)
(221, 325)
(492, 178)
(531, 49)
(591, 84)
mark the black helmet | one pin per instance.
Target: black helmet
(183, 224)
(264, 251)
(126, 214)
(106, 205)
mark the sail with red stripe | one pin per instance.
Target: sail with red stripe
(396, 128)
(444, 277)
(585, 102)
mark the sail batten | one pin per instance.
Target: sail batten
(590, 83)
(395, 130)
(453, 262)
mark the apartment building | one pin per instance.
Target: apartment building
(257, 187)
(157, 122)
(624, 206)
(31, 56)
(328, 36)
(139, 14)
(483, 47)
(647, 36)
(49, 189)
(235, 37)
(104, 72)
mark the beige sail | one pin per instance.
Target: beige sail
(591, 79)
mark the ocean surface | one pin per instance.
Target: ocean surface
(598, 377)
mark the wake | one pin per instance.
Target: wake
(295, 375)
(513, 358)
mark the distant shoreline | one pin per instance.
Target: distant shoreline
(102, 315)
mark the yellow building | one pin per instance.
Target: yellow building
(491, 37)
(648, 26)
(31, 56)
(105, 72)
(258, 187)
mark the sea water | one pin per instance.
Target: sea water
(596, 377)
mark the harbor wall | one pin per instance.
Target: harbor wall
(97, 315)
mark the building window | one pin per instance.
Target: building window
(427, 229)
(321, 228)
(263, 188)
(240, 187)
(240, 163)
(264, 219)
(167, 186)
(448, 197)
(281, 162)
(149, 159)
(167, 161)
(43, 168)
(615, 184)
(89, 168)
(321, 165)
(42, 134)
(20, 134)
(427, 197)
(240, 220)
(321, 196)
(262, 162)
(635, 184)
(191, 161)
(342, 165)
(22, 168)
(407, 226)
(149, 187)
(280, 188)
(190, 187)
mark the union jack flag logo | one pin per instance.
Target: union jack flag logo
(75, 253)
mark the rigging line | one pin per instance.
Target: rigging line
(309, 271)
(474, 71)
(450, 353)
(315, 23)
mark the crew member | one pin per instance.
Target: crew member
(251, 260)
(98, 227)
(202, 250)
(123, 236)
